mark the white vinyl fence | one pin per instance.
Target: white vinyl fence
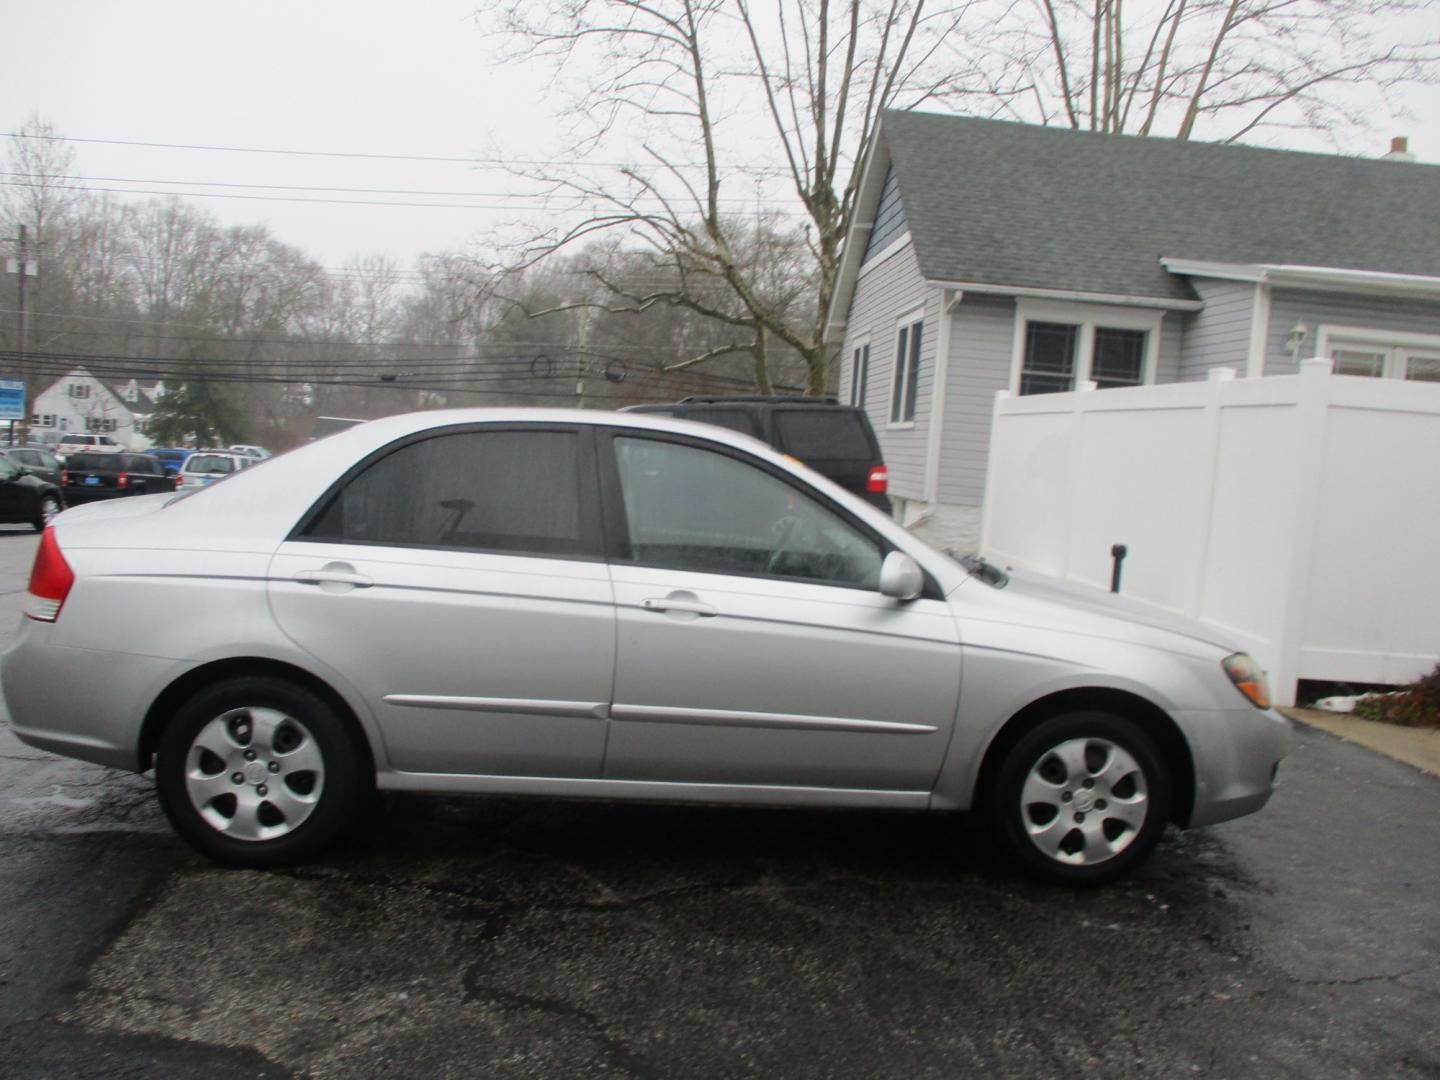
(1299, 514)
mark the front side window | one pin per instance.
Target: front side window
(693, 509)
(509, 490)
(907, 372)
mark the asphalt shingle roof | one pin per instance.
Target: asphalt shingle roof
(1008, 204)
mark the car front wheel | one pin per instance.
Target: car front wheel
(1082, 798)
(256, 771)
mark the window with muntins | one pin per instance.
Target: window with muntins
(1415, 359)
(907, 372)
(1049, 358)
(1058, 355)
(693, 509)
(79, 390)
(859, 374)
(510, 491)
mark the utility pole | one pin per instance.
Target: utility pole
(584, 355)
(22, 267)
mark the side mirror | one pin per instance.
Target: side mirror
(901, 577)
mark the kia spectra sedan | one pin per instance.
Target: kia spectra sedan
(581, 604)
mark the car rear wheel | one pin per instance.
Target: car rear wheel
(1082, 798)
(257, 771)
(47, 511)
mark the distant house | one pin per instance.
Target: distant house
(994, 256)
(78, 401)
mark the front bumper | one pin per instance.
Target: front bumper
(1236, 753)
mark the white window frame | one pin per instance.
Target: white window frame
(79, 390)
(1086, 317)
(1395, 344)
(860, 346)
(905, 322)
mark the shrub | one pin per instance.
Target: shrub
(1417, 705)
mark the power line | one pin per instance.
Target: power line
(308, 187)
(502, 162)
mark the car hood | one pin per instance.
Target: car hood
(1049, 603)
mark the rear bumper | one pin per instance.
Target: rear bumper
(1236, 753)
(97, 718)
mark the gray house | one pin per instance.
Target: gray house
(994, 256)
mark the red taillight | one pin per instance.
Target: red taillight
(50, 580)
(878, 482)
(122, 481)
(64, 476)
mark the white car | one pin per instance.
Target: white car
(73, 442)
(205, 467)
(257, 452)
(587, 604)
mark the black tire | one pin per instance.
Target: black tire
(1082, 798)
(256, 771)
(48, 506)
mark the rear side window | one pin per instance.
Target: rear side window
(514, 491)
(821, 434)
(735, 419)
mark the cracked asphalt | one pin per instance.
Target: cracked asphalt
(509, 938)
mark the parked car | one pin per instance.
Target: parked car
(204, 467)
(89, 477)
(572, 603)
(77, 441)
(36, 462)
(835, 440)
(257, 452)
(171, 457)
(26, 499)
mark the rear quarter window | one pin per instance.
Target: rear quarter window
(91, 461)
(824, 434)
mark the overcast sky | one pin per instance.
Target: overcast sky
(344, 76)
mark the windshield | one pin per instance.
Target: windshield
(209, 464)
(92, 461)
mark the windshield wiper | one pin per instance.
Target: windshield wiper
(976, 566)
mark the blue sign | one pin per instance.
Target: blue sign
(12, 399)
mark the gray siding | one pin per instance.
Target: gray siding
(889, 219)
(1218, 336)
(884, 293)
(1335, 309)
(981, 333)
(1168, 364)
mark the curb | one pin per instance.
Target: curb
(1417, 747)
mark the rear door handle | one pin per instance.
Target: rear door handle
(335, 574)
(685, 605)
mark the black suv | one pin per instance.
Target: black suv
(833, 439)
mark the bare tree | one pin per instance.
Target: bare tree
(1212, 69)
(714, 106)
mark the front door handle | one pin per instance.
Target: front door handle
(680, 603)
(335, 577)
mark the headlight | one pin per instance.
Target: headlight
(1248, 679)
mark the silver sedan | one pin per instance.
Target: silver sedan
(613, 606)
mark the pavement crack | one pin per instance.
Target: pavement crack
(615, 1049)
(1359, 980)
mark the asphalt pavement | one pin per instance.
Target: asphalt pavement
(544, 938)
